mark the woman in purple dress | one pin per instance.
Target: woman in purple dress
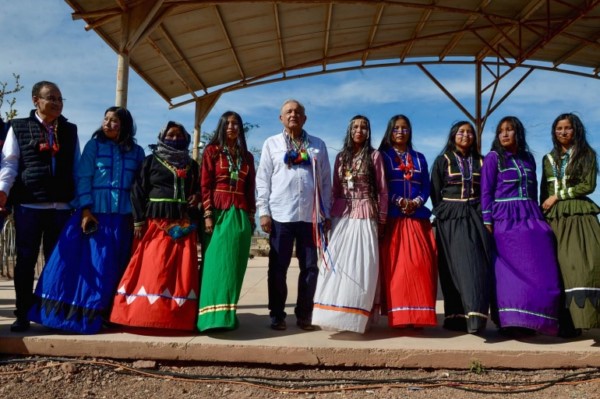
(526, 270)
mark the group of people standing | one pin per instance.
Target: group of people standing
(120, 229)
(499, 255)
(362, 233)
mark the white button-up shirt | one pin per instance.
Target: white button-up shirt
(287, 194)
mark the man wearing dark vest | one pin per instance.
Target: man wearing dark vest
(39, 161)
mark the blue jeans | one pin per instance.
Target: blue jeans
(281, 241)
(31, 226)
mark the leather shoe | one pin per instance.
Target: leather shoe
(305, 325)
(20, 325)
(279, 325)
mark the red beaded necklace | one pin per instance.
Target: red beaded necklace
(405, 164)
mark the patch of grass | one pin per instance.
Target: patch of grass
(477, 367)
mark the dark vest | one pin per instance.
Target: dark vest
(35, 181)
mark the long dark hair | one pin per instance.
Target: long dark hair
(219, 137)
(522, 147)
(126, 138)
(583, 157)
(451, 143)
(386, 141)
(347, 155)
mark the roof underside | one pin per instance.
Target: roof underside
(188, 49)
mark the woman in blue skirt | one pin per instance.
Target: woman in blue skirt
(78, 283)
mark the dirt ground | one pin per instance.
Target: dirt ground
(42, 377)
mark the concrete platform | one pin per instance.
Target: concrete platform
(255, 342)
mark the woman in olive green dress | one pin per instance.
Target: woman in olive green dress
(569, 176)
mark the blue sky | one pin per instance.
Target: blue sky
(42, 42)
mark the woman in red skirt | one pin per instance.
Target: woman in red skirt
(408, 252)
(160, 286)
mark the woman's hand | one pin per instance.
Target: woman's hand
(138, 231)
(490, 228)
(549, 203)
(209, 225)
(411, 207)
(87, 217)
(326, 226)
(193, 200)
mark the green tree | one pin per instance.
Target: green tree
(5, 91)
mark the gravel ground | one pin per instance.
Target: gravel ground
(40, 378)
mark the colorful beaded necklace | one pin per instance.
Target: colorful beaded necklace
(234, 166)
(353, 169)
(466, 177)
(405, 163)
(297, 153)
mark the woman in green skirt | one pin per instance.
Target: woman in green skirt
(569, 176)
(229, 205)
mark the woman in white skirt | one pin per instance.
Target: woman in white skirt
(348, 276)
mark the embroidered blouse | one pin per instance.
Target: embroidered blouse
(564, 187)
(515, 181)
(351, 197)
(400, 186)
(162, 191)
(105, 176)
(220, 189)
(456, 178)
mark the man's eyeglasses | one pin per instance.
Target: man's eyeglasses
(53, 99)
(394, 130)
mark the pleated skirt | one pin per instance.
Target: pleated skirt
(225, 262)
(348, 277)
(409, 262)
(577, 229)
(160, 286)
(465, 261)
(527, 280)
(77, 285)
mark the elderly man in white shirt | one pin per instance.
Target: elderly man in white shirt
(285, 185)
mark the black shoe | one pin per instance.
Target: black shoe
(305, 325)
(508, 332)
(516, 332)
(455, 324)
(20, 325)
(278, 324)
(569, 332)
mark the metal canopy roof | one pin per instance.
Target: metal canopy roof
(193, 50)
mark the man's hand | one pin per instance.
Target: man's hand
(265, 223)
